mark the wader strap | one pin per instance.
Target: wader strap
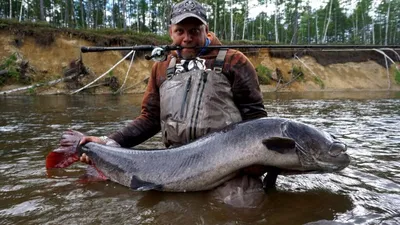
(171, 67)
(219, 61)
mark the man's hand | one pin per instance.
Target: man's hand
(87, 139)
(84, 158)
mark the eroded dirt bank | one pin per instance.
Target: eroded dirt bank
(322, 71)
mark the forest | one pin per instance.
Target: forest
(369, 22)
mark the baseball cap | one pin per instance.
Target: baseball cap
(186, 9)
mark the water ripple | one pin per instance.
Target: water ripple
(367, 192)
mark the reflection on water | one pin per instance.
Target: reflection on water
(367, 192)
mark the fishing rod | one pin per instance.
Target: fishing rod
(159, 53)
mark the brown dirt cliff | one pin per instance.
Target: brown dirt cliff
(57, 55)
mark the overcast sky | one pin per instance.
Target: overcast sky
(256, 9)
(269, 8)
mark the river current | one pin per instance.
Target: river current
(366, 192)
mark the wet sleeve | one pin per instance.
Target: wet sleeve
(147, 124)
(245, 86)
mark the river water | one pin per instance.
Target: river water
(367, 192)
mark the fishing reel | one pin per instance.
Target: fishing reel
(158, 54)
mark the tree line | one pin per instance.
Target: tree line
(291, 21)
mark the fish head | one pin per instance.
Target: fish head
(317, 150)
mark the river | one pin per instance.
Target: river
(366, 192)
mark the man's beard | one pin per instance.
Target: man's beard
(188, 53)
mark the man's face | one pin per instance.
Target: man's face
(189, 32)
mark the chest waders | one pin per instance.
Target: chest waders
(195, 103)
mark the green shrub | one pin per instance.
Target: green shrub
(264, 74)
(10, 61)
(10, 65)
(397, 76)
(3, 79)
(319, 82)
(298, 73)
(13, 73)
(31, 91)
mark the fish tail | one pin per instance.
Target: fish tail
(67, 153)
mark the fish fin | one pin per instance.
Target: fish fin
(71, 138)
(67, 152)
(141, 185)
(61, 157)
(92, 175)
(280, 144)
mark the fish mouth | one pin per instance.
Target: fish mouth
(335, 165)
(337, 158)
(333, 160)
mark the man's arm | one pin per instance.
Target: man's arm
(245, 86)
(148, 123)
(140, 129)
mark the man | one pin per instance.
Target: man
(195, 91)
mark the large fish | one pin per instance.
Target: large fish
(269, 143)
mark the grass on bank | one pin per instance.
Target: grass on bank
(264, 74)
(397, 76)
(10, 65)
(44, 34)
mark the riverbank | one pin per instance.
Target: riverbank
(40, 57)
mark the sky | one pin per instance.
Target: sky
(256, 9)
